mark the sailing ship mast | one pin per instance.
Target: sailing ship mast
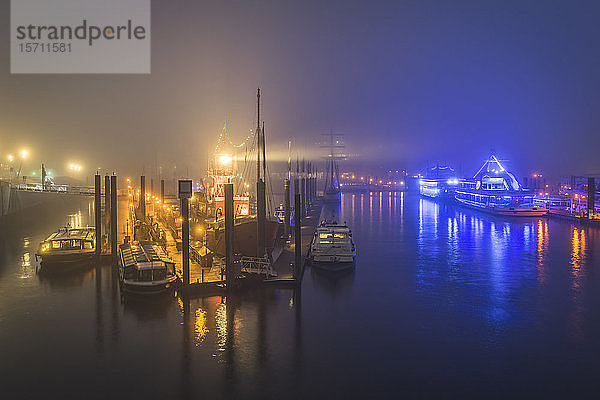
(261, 200)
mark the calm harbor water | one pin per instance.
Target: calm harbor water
(443, 302)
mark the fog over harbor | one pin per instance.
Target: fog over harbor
(407, 82)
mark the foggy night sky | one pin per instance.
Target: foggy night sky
(407, 82)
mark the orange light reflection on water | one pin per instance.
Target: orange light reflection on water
(578, 248)
(542, 249)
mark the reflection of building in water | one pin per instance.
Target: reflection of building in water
(26, 270)
(578, 247)
(578, 253)
(75, 220)
(221, 325)
(541, 248)
(428, 218)
(200, 328)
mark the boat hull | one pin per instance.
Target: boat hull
(144, 288)
(330, 263)
(244, 235)
(65, 262)
(508, 211)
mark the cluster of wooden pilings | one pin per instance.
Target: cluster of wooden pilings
(303, 196)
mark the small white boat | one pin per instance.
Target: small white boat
(67, 248)
(332, 247)
(145, 268)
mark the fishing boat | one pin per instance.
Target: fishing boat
(225, 166)
(67, 248)
(144, 268)
(439, 182)
(245, 234)
(332, 247)
(495, 190)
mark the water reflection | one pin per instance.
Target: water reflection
(148, 308)
(578, 247)
(332, 282)
(541, 249)
(66, 280)
(434, 283)
(200, 328)
(462, 253)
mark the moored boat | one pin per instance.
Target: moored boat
(67, 248)
(495, 190)
(439, 183)
(145, 268)
(332, 247)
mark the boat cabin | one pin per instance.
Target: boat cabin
(67, 239)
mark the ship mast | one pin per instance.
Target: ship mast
(258, 138)
(261, 209)
(264, 157)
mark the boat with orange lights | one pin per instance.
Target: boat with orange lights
(229, 164)
(66, 248)
(332, 247)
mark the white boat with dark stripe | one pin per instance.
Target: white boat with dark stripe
(144, 267)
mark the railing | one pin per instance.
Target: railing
(65, 189)
(256, 265)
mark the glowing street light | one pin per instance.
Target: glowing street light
(225, 159)
(10, 158)
(24, 154)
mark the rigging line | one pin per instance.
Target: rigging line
(270, 208)
(247, 165)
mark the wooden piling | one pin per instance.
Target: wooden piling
(230, 272)
(98, 212)
(143, 197)
(107, 207)
(591, 197)
(286, 209)
(185, 240)
(303, 190)
(162, 191)
(298, 241)
(113, 218)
